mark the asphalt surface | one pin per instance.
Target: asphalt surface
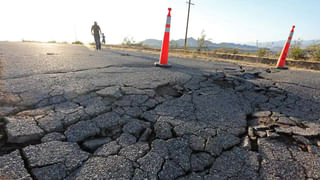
(70, 112)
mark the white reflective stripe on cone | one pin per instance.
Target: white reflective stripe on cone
(169, 20)
(291, 34)
(167, 29)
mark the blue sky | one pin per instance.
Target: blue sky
(223, 20)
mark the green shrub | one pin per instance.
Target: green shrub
(262, 52)
(223, 49)
(215, 51)
(234, 51)
(275, 55)
(140, 44)
(146, 46)
(129, 41)
(77, 42)
(314, 51)
(298, 53)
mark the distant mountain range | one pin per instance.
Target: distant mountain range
(280, 44)
(193, 43)
(247, 47)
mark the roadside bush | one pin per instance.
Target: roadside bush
(262, 52)
(214, 51)
(314, 52)
(140, 44)
(195, 53)
(223, 49)
(275, 55)
(234, 51)
(146, 46)
(52, 41)
(298, 53)
(129, 41)
(77, 42)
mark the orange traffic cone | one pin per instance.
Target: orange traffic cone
(165, 44)
(284, 53)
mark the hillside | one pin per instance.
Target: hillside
(247, 47)
(192, 43)
(280, 44)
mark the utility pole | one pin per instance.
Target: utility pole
(186, 37)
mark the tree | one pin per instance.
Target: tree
(128, 41)
(202, 41)
(223, 49)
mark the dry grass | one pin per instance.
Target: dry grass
(184, 54)
(204, 56)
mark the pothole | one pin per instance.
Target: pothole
(224, 84)
(169, 90)
(250, 140)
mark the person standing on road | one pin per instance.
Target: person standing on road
(96, 31)
(103, 39)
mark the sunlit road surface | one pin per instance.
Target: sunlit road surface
(69, 111)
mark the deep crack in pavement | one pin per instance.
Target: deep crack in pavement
(127, 119)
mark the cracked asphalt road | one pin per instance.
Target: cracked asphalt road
(68, 112)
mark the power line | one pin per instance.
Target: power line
(186, 37)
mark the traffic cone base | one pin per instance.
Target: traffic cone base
(157, 64)
(283, 68)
